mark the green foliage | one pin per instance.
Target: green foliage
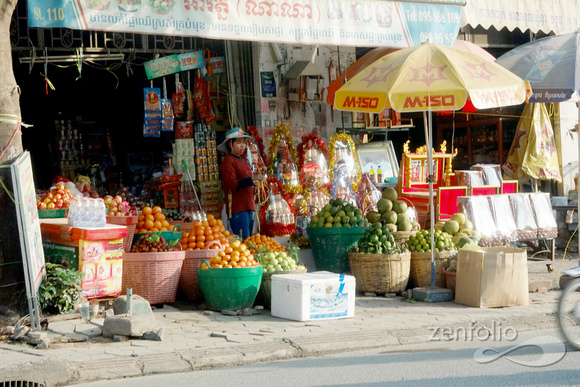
(60, 290)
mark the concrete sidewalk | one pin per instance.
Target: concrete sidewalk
(196, 339)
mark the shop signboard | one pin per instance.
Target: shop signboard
(369, 23)
(29, 230)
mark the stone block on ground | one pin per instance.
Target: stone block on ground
(135, 325)
(539, 285)
(139, 305)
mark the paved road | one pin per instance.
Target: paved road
(533, 358)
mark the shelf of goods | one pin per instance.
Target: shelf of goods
(97, 252)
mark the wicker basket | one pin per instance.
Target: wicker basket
(131, 223)
(188, 282)
(380, 273)
(153, 276)
(421, 268)
(450, 277)
(403, 236)
(266, 288)
(330, 246)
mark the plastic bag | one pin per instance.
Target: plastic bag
(503, 215)
(478, 211)
(526, 226)
(547, 226)
(368, 195)
(491, 173)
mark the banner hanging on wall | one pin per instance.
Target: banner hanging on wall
(333, 22)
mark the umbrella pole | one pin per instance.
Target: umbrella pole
(578, 134)
(429, 142)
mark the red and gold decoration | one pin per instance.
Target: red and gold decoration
(312, 160)
(342, 151)
(261, 148)
(283, 159)
(277, 216)
(314, 198)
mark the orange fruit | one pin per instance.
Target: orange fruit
(196, 223)
(154, 229)
(200, 244)
(147, 210)
(191, 245)
(141, 217)
(201, 238)
(157, 224)
(211, 223)
(140, 224)
(166, 224)
(148, 225)
(205, 223)
(156, 210)
(191, 237)
(160, 217)
(219, 222)
(150, 217)
(209, 238)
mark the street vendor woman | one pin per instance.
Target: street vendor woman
(238, 183)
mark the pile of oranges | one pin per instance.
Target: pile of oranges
(235, 255)
(152, 219)
(203, 233)
(255, 241)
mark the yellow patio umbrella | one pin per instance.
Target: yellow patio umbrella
(533, 151)
(430, 77)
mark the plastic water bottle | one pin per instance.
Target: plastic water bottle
(100, 213)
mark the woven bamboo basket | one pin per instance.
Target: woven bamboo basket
(403, 236)
(421, 268)
(266, 288)
(188, 282)
(380, 273)
(450, 277)
(153, 276)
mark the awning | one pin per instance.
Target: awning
(361, 23)
(537, 15)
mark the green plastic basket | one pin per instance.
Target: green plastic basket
(172, 237)
(233, 289)
(330, 246)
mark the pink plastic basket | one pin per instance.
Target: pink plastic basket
(131, 223)
(153, 276)
(188, 281)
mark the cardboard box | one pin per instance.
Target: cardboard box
(313, 296)
(496, 277)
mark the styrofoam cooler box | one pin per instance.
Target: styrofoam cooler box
(313, 296)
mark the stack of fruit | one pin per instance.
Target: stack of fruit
(338, 214)
(392, 212)
(421, 242)
(235, 255)
(117, 206)
(204, 232)
(379, 240)
(152, 219)
(127, 196)
(278, 261)
(57, 198)
(258, 243)
(460, 229)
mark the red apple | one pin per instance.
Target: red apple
(118, 199)
(60, 186)
(41, 205)
(66, 205)
(48, 195)
(58, 196)
(111, 213)
(50, 206)
(47, 200)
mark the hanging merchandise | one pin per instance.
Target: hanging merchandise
(179, 99)
(277, 215)
(312, 160)
(342, 187)
(202, 101)
(368, 194)
(342, 152)
(152, 118)
(166, 115)
(190, 105)
(283, 159)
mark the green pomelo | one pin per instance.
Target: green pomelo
(399, 206)
(384, 205)
(459, 217)
(467, 225)
(390, 217)
(463, 241)
(373, 217)
(405, 226)
(392, 227)
(390, 193)
(403, 218)
(451, 227)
